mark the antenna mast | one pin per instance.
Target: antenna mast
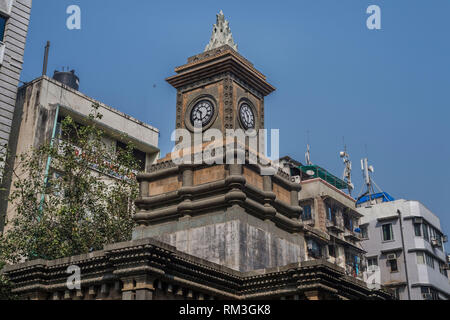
(308, 156)
(368, 180)
(347, 176)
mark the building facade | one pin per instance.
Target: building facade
(405, 244)
(14, 20)
(41, 106)
(331, 213)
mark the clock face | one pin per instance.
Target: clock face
(247, 116)
(202, 113)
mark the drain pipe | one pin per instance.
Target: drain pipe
(404, 253)
(49, 161)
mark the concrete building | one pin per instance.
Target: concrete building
(44, 102)
(14, 19)
(405, 244)
(331, 214)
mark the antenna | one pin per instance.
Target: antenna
(308, 153)
(367, 171)
(308, 156)
(44, 67)
(347, 176)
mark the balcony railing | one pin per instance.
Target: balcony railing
(335, 225)
(352, 235)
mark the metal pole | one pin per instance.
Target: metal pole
(404, 253)
(49, 161)
(47, 49)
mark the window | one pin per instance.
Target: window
(417, 230)
(430, 260)
(348, 222)
(314, 249)
(429, 293)
(2, 28)
(393, 265)
(331, 214)
(425, 232)
(397, 293)
(138, 155)
(307, 215)
(332, 251)
(420, 258)
(364, 232)
(372, 263)
(442, 269)
(388, 234)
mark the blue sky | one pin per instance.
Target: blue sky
(386, 91)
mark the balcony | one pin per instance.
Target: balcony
(309, 221)
(352, 235)
(335, 226)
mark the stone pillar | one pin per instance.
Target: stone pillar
(144, 190)
(138, 288)
(267, 183)
(235, 169)
(187, 176)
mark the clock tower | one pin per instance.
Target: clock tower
(219, 88)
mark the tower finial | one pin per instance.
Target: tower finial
(221, 34)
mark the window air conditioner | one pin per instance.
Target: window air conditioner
(296, 179)
(418, 220)
(391, 256)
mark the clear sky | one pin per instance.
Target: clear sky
(386, 91)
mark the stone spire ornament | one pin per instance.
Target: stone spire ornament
(221, 34)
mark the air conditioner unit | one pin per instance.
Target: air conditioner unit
(296, 179)
(435, 243)
(427, 296)
(391, 256)
(418, 220)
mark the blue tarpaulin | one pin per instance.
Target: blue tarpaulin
(384, 195)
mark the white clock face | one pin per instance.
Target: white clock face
(247, 116)
(202, 113)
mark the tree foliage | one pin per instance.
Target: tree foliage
(84, 201)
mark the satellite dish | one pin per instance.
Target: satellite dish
(310, 172)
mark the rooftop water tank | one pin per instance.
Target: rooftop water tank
(67, 78)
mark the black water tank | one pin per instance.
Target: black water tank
(67, 78)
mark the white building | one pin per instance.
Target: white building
(405, 244)
(44, 102)
(14, 20)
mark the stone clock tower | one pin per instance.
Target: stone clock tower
(219, 88)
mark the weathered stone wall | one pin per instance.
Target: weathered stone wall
(165, 185)
(209, 174)
(231, 238)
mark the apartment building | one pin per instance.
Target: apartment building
(330, 215)
(44, 102)
(405, 245)
(14, 20)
